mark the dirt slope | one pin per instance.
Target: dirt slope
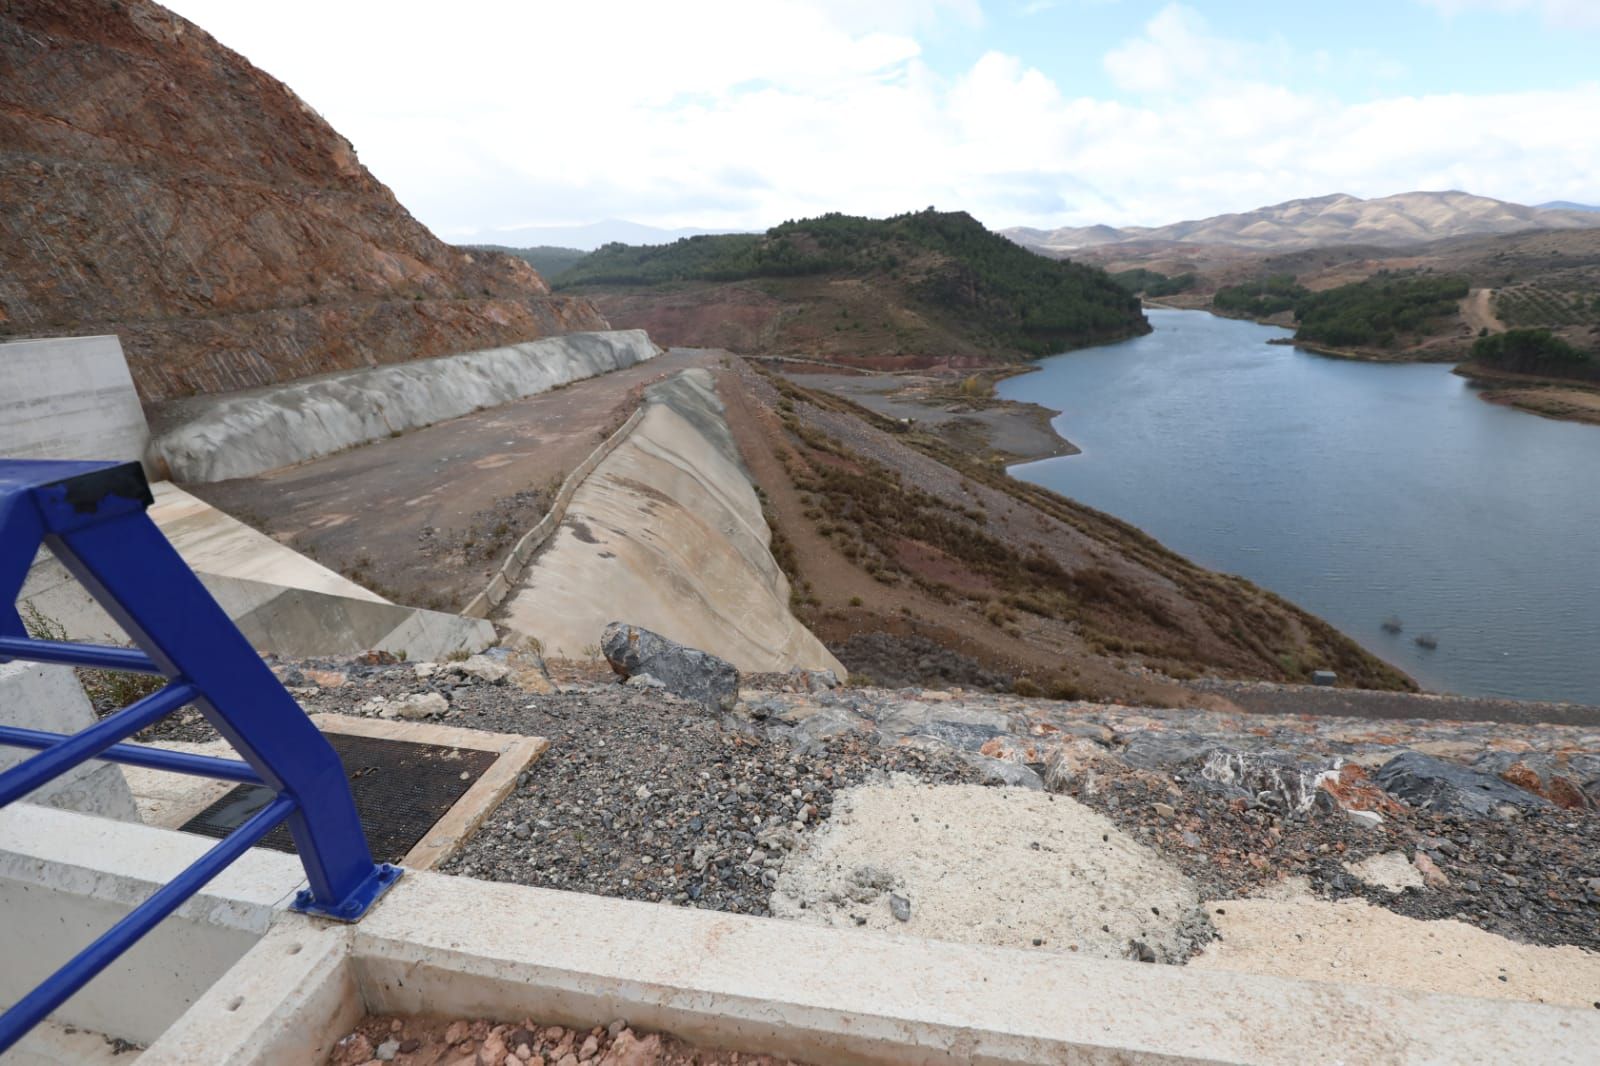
(156, 185)
(915, 564)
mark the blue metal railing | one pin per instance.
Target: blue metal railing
(92, 517)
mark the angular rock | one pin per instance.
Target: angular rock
(1432, 876)
(1389, 871)
(1005, 772)
(417, 705)
(1277, 778)
(482, 668)
(1570, 780)
(683, 671)
(1450, 788)
(802, 680)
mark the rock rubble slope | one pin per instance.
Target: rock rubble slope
(1180, 836)
(156, 185)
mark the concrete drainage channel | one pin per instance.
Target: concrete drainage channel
(267, 986)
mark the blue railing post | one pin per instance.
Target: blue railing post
(92, 516)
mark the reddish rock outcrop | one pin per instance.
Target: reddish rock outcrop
(156, 185)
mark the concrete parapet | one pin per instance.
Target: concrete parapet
(66, 878)
(69, 398)
(247, 433)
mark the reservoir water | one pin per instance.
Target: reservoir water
(1360, 491)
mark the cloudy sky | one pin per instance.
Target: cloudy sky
(484, 116)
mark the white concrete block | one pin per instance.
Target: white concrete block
(35, 696)
(69, 398)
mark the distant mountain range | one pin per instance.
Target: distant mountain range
(586, 237)
(1568, 205)
(1389, 221)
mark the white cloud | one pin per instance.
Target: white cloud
(1176, 52)
(741, 114)
(1570, 13)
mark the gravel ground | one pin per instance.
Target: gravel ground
(646, 796)
(1535, 879)
(643, 795)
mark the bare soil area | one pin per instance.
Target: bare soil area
(884, 529)
(957, 407)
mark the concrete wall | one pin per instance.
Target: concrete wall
(66, 878)
(284, 603)
(247, 433)
(456, 947)
(34, 696)
(69, 398)
(510, 572)
(667, 533)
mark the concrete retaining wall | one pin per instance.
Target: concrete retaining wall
(66, 878)
(284, 603)
(34, 696)
(457, 947)
(248, 433)
(505, 579)
(667, 533)
(69, 398)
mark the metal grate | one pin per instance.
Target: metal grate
(401, 789)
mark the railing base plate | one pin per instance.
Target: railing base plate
(352, 907)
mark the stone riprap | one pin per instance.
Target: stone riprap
(242, 434)
(634, 652)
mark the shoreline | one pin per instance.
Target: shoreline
(1558, 399)
(971, 418)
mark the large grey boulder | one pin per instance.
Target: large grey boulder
(682, 671)
(1450, 788)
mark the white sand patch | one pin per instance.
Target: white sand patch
(1000, 866)
(1351, 941)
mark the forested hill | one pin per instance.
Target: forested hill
(915, 283)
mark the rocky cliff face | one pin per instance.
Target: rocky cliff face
(155, 185)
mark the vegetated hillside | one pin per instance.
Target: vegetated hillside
(894, 541)
(1153, 283)
(1535, 351)
(1390, 221)
(155, 185)
(549, 260)
(928, 285)
(1386, 311)
(1261, 297)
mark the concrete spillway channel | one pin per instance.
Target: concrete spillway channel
(667, 533)
(247, 433)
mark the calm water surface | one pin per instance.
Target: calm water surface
(1360, 491)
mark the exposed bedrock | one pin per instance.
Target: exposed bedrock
(668, 533)
(156, 185)
(247, 433)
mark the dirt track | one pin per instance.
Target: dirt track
(1477, 311)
